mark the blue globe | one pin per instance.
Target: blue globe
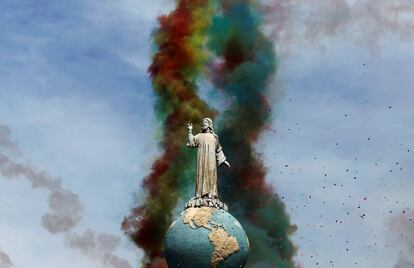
(206, 237)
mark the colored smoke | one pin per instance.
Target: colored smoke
(177, 63)
(65, 208)
(247, 64)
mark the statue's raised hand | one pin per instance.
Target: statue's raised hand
(190, 127)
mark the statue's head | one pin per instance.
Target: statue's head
(207, 124)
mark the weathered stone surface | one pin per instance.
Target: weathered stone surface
(206, 237)
(198, 217)
(205, 202)
(224, 245)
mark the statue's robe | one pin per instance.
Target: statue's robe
(209, 156)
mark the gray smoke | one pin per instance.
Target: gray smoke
(404, 263)
(65, 208)
(5, 142)
(97, 246)
(5, 261)
(362, 21)
(402, 227)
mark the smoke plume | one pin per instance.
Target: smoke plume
(247, 64)
(242, 62)
(365, 22)
(402, 227)
(225, 41)
(177, 63)
(100, 247)
(65, 208)
(5, 261)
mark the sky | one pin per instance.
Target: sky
(76, 104)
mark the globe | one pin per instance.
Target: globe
(204, 237)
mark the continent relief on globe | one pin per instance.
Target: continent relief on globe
(224, 244)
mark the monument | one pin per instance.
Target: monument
(205, 234)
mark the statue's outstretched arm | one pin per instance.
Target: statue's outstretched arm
(190, 142)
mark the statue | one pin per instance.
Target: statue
(205, 234)
(210, 155)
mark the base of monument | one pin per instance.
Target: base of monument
(197, 202)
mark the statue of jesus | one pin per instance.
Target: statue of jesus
(210, 155)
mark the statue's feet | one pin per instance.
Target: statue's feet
(206, 201)
(209, 196)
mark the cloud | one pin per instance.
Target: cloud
(75, 47)
(5, 261)
(99, 50)
(73, 78)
